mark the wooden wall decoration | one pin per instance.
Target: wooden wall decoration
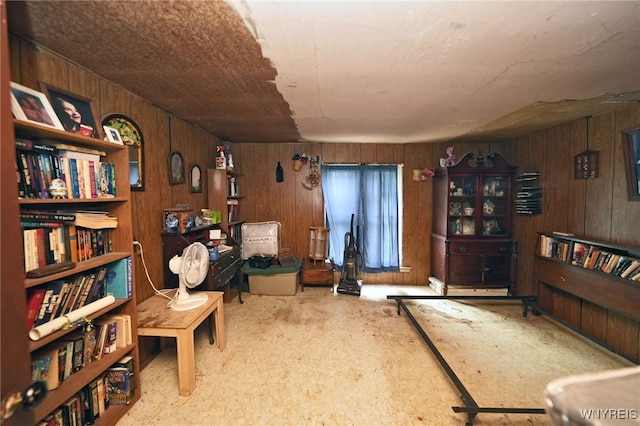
(176, 168)
(587, 165)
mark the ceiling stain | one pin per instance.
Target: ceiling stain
(345, 71)
(197, 60)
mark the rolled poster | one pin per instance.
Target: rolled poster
(56, 324)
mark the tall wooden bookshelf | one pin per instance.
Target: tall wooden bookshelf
(226, 195)
(121, 247)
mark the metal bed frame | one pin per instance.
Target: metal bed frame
(470, 406)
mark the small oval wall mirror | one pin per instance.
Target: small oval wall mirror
(132, 137)
(631, 141)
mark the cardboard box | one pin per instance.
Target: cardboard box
(212, 216)
(178, 221)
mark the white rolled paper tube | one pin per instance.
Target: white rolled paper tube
(56, 324)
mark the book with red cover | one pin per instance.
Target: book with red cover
(34, 300)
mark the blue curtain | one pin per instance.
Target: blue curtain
(370, 193)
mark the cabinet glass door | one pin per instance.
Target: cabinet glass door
(495, 205)
(462, 205)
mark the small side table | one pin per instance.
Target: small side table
(156, 319)
(318, 274)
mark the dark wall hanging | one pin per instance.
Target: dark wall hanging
(196, 179)
(176, 168)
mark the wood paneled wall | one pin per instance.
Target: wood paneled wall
(596, 207)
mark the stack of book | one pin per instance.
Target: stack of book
(56, 237)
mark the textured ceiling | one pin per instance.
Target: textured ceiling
(354, 71)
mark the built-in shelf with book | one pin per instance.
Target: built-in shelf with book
(578, 277)
(78, 249)
(615, 260)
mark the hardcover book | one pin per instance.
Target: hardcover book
(117, 385)
(120, 278)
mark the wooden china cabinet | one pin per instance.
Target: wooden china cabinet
(471, 244)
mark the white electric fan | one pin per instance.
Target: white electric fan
(191, 268)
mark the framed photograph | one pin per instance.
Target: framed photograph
(196, 179)
(76, 113)
(30, 105)
(113, 135)
(631, 150)
(176, 168)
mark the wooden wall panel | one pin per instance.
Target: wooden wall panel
(621, 334)
(577, 193)
(600, 204)
(531, 152)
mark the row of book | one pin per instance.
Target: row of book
(235, 231)
(590, 256)
(58, 361)
(233, 211)
(59, 297)
(600, 259)
(554, 248)
(116, 386)
(232, 187)
(39, 163)
(50, 237)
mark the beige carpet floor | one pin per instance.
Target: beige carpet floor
(321, 358)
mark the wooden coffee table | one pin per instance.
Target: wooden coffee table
(156, 319)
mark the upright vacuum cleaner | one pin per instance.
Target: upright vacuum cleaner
(351, 265)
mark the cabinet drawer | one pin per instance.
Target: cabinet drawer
(480, 248)
(317, 275)
(220, 278)
(226, 260)
(613, 293)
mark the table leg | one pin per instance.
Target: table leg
(211, 321)
(219, 320)
(186, 361)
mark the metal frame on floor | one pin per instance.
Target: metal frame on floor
(470, 406)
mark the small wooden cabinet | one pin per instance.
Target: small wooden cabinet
(221, 272)
(316, 274)
(471, 244)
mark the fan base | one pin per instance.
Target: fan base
(194, 300)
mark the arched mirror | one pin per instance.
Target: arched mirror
(132, 137)
(631, 141)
